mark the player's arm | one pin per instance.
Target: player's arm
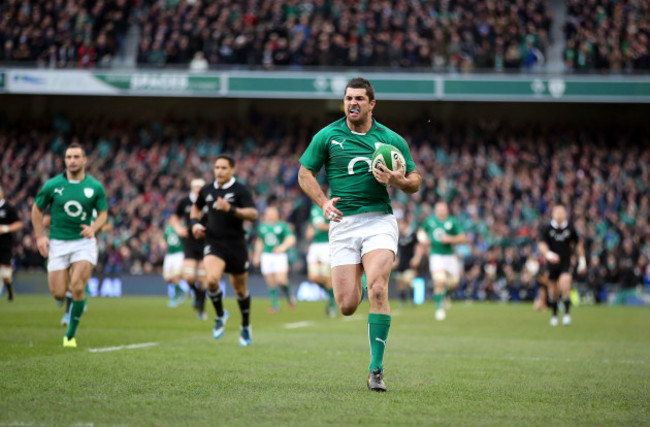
(311, 187)
(248, 213)
(175, 222)
(287, 243)
(257, 251)
(89, 231)
(421, 248)
(11, 228)
(453, 239)
(582, 261)
(198, 230)
(547, 253)
(310, 232)
(409, 183)
(42, 241)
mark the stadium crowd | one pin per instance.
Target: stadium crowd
(63, 34)
(608, 35)
(500, 184)
(440, 35)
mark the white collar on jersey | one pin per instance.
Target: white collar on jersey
(2, 203)
(555, 224)
(226, 186)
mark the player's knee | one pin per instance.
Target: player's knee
(378, 290)
(313, 277)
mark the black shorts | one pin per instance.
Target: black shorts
(554, 270)
(6, 255)
(234, 253)
(193, 249)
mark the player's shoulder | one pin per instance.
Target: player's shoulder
(56, 180)
(388, 132)
(93, 181)
(332, 128)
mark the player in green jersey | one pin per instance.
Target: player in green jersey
(71, 247)
(441, 232)
(173, 265)
(271, 246)
(363, 230)
(318, 256)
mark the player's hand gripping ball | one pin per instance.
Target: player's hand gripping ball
(388, 156)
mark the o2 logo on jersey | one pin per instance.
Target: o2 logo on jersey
(359, 159)
(73, 208)
(271, 240)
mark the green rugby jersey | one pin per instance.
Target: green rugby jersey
(273, 234)
(347, 157)
(317, 218)
(71, 204)
(174, 244)
(436, 228)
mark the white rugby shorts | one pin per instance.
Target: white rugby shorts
(448, 263)
(356, 235)
(274, 263)
(63, 253)
(173, 265)
(319, 252)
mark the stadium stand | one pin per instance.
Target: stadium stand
(608, 36)
(500, 184)
(63, 34)
(440, 35)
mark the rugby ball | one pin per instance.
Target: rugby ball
(388, 156)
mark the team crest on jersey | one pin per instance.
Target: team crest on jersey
(277, 229)
(229, 197)
(89, 192)
(448, 225)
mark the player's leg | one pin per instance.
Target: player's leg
(6, 275)
(272, 286)
(80, 273)
(377, 265)
(190, 267)
(282, 279)
(346, 282)
(239, 284)
(214, 268)
(452, 266)
(439, 277)
(553, 295)
(202, 289)
(564, 288)
(168, 277)
(326, 274)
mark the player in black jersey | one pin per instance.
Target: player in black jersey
(9, 223)
(229, 203)
(405, 264)
(193, 269)
(558, 240)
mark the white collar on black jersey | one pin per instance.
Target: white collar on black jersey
(2, 203)
(226, 186)
(555, 225)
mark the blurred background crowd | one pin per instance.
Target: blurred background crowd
(499, 181)
(438, 35)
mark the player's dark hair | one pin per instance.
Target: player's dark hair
(361, 83)
(76, 145)
(231, 161)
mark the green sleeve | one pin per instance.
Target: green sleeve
(406, 152)
(44, 197)
(315, 155)
(101, 203)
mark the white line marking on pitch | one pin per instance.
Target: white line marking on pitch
(298, 325)
(352, 318)
(123, 347)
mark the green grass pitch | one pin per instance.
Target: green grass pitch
(487, 364)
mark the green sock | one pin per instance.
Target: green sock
(378, 326)
(287, 291)
(330, 294)
(274, 298)
(178, 291)
(86, 293)
(364, 287)
(76, 310)
(438, 299)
